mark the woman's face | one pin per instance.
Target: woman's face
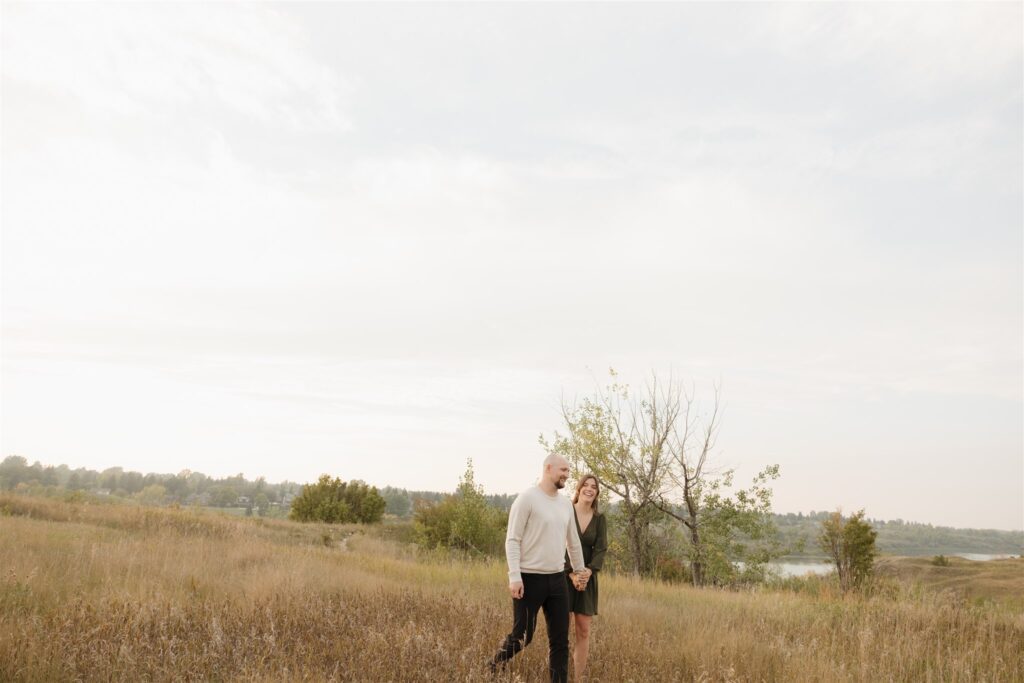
(588, 491)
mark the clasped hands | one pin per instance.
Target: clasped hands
(581, 578)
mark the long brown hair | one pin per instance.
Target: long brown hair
(579, 485)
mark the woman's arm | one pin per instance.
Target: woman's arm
(600, 545)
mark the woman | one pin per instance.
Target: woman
(593, 531)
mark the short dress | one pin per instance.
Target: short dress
(594, 540)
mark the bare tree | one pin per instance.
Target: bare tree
(721, 528)
(653, 452)
(691, 445)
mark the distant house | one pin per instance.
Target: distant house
(102, 492)
(243, 500)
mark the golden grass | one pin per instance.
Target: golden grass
(999, 582)
(93, 592)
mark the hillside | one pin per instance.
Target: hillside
(112, 592)
(259, 497)
(895, 537)
(905, 538)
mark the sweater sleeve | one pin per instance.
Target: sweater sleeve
(572, 542)
(517, 517)
(600, 545)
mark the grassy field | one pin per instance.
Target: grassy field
(103, 592)
(999, 583)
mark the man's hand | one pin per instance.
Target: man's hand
(516, 589)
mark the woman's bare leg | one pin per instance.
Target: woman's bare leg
(581, 646)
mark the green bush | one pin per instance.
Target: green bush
(336, 502)
(463, 521)
(673, 570)
(850, 544)
(940, 561)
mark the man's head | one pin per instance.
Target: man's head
(556, 470)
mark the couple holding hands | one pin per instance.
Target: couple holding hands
(555, 550)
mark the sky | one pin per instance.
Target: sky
(378, 240)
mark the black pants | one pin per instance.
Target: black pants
(550, 593)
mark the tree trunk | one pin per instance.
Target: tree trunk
(637, 544)
(697, 564)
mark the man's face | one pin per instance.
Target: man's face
(560, 474)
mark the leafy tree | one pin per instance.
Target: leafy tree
(154, 494)
(333, 501)
(502, 501)
(661, 540)
(623, 439)
(132, 482)
(223, 496)
(177, 487)
(850, 544)
(476, 525)
(652, 451)
(463, 521)
(262, 503)
(13, 470)
(397, 501)
(723, 529)
(48, 476)
(365, 502)
(110, 478)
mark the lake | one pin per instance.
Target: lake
(786, 569)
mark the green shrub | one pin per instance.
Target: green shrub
(336, 502)
(850, 544)
(673, 570)
(463, 521)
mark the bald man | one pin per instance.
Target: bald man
(540, 528)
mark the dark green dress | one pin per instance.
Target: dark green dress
(595, 544)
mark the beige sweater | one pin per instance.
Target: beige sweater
(540, 528)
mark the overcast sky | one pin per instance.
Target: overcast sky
(377, 240)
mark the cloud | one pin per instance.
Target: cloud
(922, 48)
(210, 230)
(169, 60)
(429, 177)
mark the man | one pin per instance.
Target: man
(540, 527)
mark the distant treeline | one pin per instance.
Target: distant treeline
(797, 529)
(897, 537)
(184, 488)
(194, 488)
(402, 503)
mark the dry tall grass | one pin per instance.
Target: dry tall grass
(107, 593)
(997, 582)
